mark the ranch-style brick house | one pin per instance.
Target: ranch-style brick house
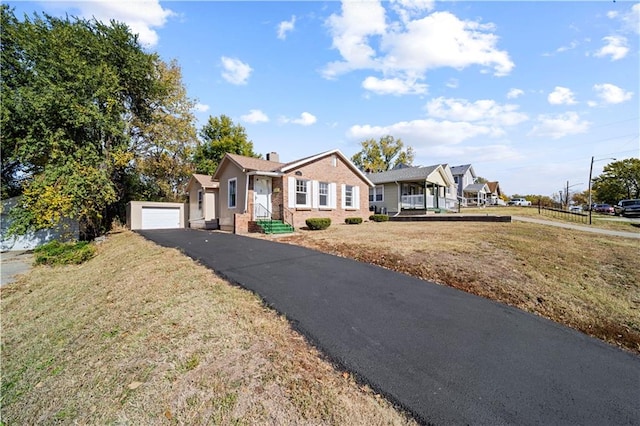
(253, 191)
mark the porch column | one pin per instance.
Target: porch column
(424, 196)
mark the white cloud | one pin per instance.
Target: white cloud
(559, 126)
(561, 96)
(141, 16)
(484, 153)
(255, 116)
(453, 83)
(424, 133)
(630, 20)
(408, 9)
(570, 46)
(235, 71)
(616, 47)
(484, 111)
(351, 31)
(514, 93)
(393, 86)
(286, 26)
(306, 119)
(201, 107)
(611, 94)
(408, 48)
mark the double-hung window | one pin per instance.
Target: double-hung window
(376, 193)
(302, 192)
(200, 199)
(232, 194)
(348, 196)
(323, 194)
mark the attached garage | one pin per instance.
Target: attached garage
(155, 215)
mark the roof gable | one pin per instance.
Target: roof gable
(462, 170)
(251, 164)
(303, 161)
(205, 181)
(246, 164)
(405, 174)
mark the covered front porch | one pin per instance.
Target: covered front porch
(424, 196)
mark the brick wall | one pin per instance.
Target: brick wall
(333, 170)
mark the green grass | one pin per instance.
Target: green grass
(57, 253)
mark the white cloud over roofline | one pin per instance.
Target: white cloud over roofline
(305, 119)
(485, 111)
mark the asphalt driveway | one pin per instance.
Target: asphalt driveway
(446, 356)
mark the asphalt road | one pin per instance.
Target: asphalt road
(444, 355)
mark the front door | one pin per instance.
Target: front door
(261, 197)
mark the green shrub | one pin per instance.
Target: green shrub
(318, 223)
(353, 220)
(57, 253)
(379, 217)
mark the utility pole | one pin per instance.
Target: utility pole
(590, 174)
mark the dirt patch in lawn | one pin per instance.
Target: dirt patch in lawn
(586, 281)
(144, 335)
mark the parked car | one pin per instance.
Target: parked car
(575, 209)
(519, 202)
(603, 208)
(627, 207)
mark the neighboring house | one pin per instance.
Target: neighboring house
(494, 196)
(408, 188)
(324, 185)
(469, 192)
(67, 230)
(476, 194)
(203, 195)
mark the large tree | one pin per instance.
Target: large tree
(79, 99)
(220, 136)
(619, 180)
(164, 145)
(382, 155)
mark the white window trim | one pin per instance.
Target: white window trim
(328, 205)
(355, 197)
(200, 199)
(378, 189)
(229, 193)
(292, 190)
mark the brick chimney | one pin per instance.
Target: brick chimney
(273, 156)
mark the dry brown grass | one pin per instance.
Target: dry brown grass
(590, 282)
(143, 335)
(599, 220)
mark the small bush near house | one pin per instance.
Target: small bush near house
(379, 217)
(318, 223)
(353, 220)
(57, 253)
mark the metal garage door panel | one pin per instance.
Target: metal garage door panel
(160, 218)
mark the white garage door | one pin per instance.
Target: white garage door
(160, 217)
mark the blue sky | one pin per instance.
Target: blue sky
(526, 92)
